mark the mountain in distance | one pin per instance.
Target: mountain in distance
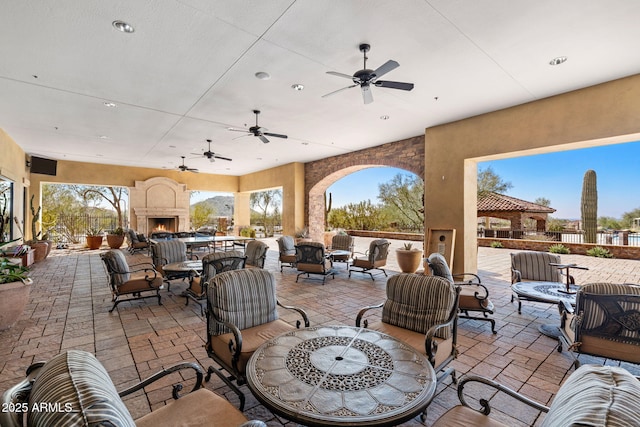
(222, 205)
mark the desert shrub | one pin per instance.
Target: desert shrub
(496, 244)
(599, 252)
(559, 248)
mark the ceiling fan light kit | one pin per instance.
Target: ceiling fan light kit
(259, 131)
(211, 155)
(367, 77)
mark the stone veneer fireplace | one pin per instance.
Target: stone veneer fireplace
(159, 204)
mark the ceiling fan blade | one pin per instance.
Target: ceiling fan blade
(394, 85)
(263, 139)
(222, 158)
(275, 135)
(385, 68)
(335, 73)
(366, 94)
(237, 130)
(242, 136)
(339, 90)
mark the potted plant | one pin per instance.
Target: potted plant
(115, 239)
(409, 258)
(94, 238)
(15, 287)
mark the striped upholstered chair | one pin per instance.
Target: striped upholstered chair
(474, 296)
(421, 311)
(167, 252)
(242, 314)
(256, 252)
(605, 322)
(591, 396)
(342, 242)
(137, 281)
(531, 266)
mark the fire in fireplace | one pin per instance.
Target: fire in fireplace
(163, 224)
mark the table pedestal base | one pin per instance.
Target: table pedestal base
(552, 331)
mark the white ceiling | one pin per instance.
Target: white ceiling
(187, 73)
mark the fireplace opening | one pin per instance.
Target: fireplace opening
(163, 224)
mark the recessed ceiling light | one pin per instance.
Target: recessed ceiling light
(262, 75)
(297, 86)
(109, 104)
(122, 26)
(558, 60)
(384, 117)
(258, 158)
(103, 137)
(305, 143)
(172, 146)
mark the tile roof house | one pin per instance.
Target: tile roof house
(494, 205)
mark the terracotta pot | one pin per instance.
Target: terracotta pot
(40, 249)
(408, 260)
(94, 242)
(14, 297)
(115, 240)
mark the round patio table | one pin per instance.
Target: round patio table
(341, 376)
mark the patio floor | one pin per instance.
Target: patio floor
(70, 300)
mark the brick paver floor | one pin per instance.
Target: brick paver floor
(70, 300)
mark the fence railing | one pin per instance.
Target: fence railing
(73, 228)
(621, 238)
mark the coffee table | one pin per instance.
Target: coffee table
(341, 376)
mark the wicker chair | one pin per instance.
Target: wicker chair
(242, 314)
(605, 322)
(374, 259)
(421, 311)
(474, 296)
(136, 280)
(311, 259)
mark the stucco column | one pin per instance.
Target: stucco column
(241, 211)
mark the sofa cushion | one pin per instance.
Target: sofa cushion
(80, 387)
(596, 396)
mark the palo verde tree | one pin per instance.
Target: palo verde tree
(265, 202)
(402, 197)
(589, 206)
(491, 182)
(114, 196)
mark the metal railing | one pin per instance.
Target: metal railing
(621, 238)
(73, 228)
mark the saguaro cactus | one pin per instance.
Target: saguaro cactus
(327, 209)
(589, 207)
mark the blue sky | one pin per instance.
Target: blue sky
(555, 176)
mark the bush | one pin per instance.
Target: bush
(496, 244)
(559, 248)
(247, 232)
(599, 252)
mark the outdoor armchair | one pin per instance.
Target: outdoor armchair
(135, 281)
(474, 296)
(242, 314)
(605, 322)
(85, 396)
(212, 264)
(287, 249)
(136, 242)
(167, 252)
(256, 252)
(374, 259)
(421, 311)
(342, 242)
(312, 259)
(591, 396)
(531, 266)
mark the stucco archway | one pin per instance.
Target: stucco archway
(407, 154)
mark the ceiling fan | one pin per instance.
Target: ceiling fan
(259, 131)
(366, 77)
(183, 167)
(211, 155)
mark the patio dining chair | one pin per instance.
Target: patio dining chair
(342, 242)
(474, 296)
(136, 242)
(242, 314)
(312, 259)
(167, 252)
(287, 252)
(374, 259)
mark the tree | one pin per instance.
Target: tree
(490, 182)
(61, 208)
(200, 214)
(115, 196)
(542, 201)
(628, 217)
(363, 215)
(266, 202)
(609, 223)
(404, 196)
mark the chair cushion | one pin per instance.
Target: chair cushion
(439, 267)
(246, 298)
(342, 242)
(596, 396)
(199, 408)
(462, 416)
(417, 302)
(535, 266)
(116, 261)
(256, 252)
(167, 252)
(286, 245)
(83, 391)
(468, 300)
